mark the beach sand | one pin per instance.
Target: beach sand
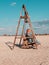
(19, 56)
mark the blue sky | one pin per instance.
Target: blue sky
(10, 12)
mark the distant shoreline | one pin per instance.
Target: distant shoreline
(20, 35)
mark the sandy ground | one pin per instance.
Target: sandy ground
(19, 56)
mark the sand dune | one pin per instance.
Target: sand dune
(19, 56)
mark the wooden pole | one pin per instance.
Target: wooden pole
(22, 33)
(16, 33)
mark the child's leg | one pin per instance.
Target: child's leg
(35, 45)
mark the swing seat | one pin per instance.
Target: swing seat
(27, 45)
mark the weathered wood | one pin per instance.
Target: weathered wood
(25, 17)
(22, 34)
(16, 33)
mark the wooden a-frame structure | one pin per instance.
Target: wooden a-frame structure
(26, 20)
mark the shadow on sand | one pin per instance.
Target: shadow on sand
(10, 45)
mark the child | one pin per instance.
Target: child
(30, 38)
